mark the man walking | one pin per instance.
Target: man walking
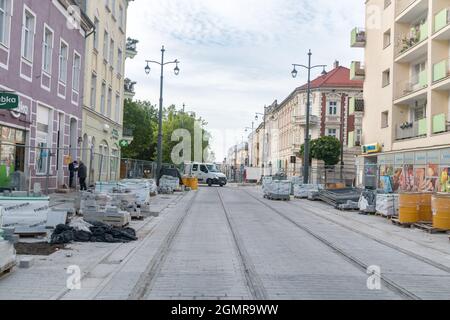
(82, 174)
(73, 167)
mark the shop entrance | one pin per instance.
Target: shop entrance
(12, 154)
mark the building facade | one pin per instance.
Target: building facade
(406, 93)
(41, 57)
(336, 110)
(104, 81)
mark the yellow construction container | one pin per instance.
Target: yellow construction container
(409, 207)
(191, 182)
(441, 211)
(425, 210)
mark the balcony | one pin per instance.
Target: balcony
(131, 46)
(129, 92)
(413, 44)
(411, 130)
(441, 70)
(407, 11)
(357, 71)
(301, 120)
(355, 105)
(413, 85)
(441, 20)
(440, 124)
(358, 38)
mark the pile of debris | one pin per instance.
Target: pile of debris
(91, 231)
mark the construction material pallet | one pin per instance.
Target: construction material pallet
(397, 222)
(277, 197)
(6, 269)
(428, 227)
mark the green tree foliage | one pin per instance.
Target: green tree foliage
(177, 119)
(142, 118)
(327, 149)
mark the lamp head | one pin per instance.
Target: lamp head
(294, 73)
(147, 69)
(176, 70)
(324, 72)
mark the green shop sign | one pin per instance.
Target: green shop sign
(124, 143)
(9, 101)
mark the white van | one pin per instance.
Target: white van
(206, 173)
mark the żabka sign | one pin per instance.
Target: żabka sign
(9, 101)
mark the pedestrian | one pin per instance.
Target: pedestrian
(73, 167)
(82, 174)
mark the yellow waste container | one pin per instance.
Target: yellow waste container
(425, 210)
(193, 183)
(409, 207)
(441, 211)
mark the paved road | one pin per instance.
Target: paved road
(233, 244)
(230, 243)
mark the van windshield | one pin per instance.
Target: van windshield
(212, 168)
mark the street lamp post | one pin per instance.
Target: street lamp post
(160, 118)
(308, 104)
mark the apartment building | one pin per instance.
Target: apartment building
(406, 93)
(41, 57)
(336, 110)
(105, 85)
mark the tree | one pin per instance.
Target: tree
(327, 149)
(177, 119)
(141, 118)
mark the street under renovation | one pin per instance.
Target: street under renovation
(232, 244)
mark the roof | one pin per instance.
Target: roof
(336, 78)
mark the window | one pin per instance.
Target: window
(119, 61)
(117, 109)
(111, 53)
(387, 39)
(385, 119)
(332, 108)
(105, 45)
(42, 139)
(109, 102)
(5, 21)
(47, 50)
(63, 57)
(121, 17)
(358, 137)
(203, 168)
(416, 71)
(28, 35)
(386, 78)
(103, 99)
(332, 133)
(76, 72)
(96, 34)
(93, 91)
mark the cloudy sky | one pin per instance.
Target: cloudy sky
(236, 55)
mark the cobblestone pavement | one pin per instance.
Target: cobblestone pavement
(230, 243)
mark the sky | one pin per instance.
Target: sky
(236, 55)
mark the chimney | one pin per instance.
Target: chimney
(336, 64)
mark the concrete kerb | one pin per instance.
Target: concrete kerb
(92, 266)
